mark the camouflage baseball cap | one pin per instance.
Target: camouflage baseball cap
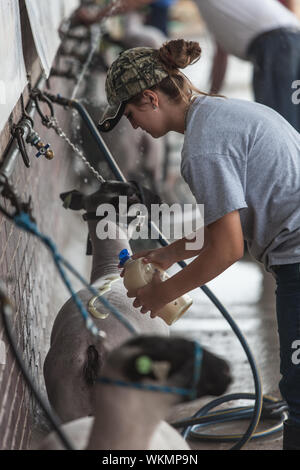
(134, 71)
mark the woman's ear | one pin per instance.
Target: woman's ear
(151, 97)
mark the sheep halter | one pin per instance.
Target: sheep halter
(191, 393)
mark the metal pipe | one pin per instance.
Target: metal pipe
(13, 151)
(95, 37)
(98, 138)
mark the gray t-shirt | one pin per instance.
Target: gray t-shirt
(235, 23)
(239, 155)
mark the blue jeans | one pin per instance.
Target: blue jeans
(288, 318)
(158, 18)
(276, 59)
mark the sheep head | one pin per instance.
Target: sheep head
(109, 193)
(171, 362)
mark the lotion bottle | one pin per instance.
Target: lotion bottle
(137, 274)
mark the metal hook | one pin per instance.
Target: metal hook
(37, 95)
(24, 112)
(18, 133)
(66, 102)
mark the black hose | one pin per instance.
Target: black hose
(272, 409)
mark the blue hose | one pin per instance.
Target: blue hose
(23, 221)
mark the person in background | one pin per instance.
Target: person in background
(241, 160)
(265, 32)
(85, 16)
(159, 15)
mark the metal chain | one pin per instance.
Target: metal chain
(55, 125)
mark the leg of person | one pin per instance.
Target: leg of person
(276, 59)
(158, 18)
(288, 318)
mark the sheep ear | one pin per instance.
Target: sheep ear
(161, 369)
(72, 200)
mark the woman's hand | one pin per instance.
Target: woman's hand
(150, 297)
(162, 257)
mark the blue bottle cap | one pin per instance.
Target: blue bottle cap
(124, 256)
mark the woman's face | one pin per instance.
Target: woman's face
(148, 116)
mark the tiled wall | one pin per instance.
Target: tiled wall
(26, 266)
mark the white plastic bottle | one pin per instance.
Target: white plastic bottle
(137, 274)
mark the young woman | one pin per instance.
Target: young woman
(242, 161)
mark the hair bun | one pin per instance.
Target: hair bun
(178, 53)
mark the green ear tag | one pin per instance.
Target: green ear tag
(67, 201)
(143, 365)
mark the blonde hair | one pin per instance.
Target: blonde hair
(174, 55)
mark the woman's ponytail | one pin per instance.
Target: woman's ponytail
(178, 54)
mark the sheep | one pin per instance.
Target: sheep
(129, 418)
(76, 356)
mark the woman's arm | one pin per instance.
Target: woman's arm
(225, 246)
(181, 249)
